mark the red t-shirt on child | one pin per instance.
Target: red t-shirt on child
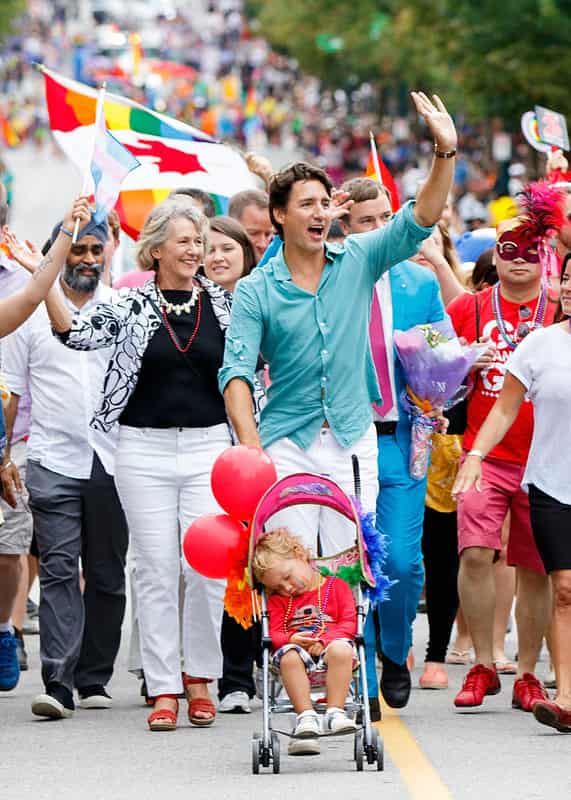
(338, 614)
(515, 445)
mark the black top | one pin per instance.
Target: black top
(457, 418)
(180, 390)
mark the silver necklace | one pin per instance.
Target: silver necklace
(178, 308)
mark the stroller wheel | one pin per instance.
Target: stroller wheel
(380, 756)
(256, 746)
(275, 753)
(378, 751)
(358, 750)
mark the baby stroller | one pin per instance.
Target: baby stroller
(298, 489)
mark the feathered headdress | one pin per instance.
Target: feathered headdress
(542, 207)
(542, 214)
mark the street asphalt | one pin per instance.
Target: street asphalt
(431, 751)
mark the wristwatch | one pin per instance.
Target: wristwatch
(443, 154)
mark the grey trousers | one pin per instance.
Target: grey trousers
(79, 634)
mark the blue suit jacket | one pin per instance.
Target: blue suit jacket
(416, 300)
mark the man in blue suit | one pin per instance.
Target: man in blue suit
(407, 295)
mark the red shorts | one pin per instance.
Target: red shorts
(481, 515)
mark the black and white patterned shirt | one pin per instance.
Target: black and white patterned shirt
(128, 323)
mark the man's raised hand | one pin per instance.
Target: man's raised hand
(80, 210)
(438, 120)
(340, 204)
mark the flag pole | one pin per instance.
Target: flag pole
(87, 174)
(375, 157)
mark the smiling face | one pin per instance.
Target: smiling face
(84, 265)
(306, 218)
(369, 214)
(180, 255)
(289, 576)
(224, 262)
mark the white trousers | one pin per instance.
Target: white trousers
(163, 481)
(326, 457)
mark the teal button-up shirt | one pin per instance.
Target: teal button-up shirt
(317, 345)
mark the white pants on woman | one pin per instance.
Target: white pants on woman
(326, 457)
(163, 481)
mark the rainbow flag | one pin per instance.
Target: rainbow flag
(171, 153)
(377, 169)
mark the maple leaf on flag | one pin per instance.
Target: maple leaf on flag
(167, 159)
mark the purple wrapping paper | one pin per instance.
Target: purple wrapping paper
(434, 373)
(435, 364)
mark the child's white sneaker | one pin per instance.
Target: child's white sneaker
(307, 725)
(303, 747)
(336, 721)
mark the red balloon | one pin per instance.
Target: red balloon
(240, 477)
(212, 544)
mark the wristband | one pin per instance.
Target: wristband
(6, 465)
(477, 453)
(443, 154)
(67, 233)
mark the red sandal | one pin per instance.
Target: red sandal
(163, 719)
(197, 704)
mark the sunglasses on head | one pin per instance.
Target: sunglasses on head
(84, 249)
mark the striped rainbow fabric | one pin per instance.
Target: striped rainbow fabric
(172, 154)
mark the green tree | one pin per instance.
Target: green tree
(9, 10)
(504, 57)
(329, 39)
(486, 58)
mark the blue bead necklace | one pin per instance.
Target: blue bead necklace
(536, 322)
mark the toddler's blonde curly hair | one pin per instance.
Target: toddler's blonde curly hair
(276, 546)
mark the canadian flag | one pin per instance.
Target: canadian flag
(171, 153)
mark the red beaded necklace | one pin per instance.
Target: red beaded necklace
(308, 619)
(172, 335)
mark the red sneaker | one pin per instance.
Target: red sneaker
(551, 714)
(479, 682)
(528, 691)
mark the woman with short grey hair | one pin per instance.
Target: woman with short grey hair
(161, 391)
(156, 228)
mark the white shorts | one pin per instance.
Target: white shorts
(326, 457)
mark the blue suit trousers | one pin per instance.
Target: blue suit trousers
(400, 514)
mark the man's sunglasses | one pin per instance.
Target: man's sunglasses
(523, 327)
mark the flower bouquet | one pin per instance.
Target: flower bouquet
(435, 363)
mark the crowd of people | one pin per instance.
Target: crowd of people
(214, 70)
(274, 327)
